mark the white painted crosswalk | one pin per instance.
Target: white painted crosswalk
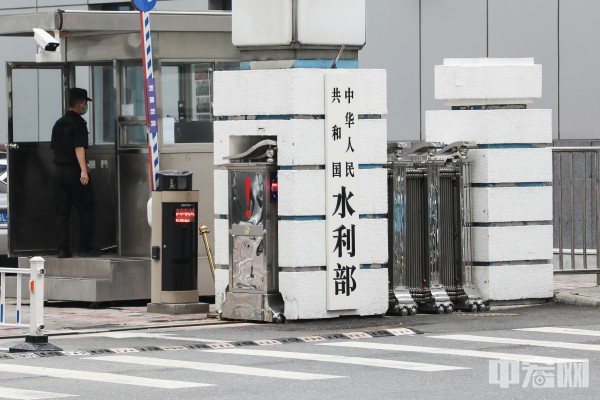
(359, 354)
(23, 394)
(521, 342)
(217, 368)
(98, 377)
(566, 331)
(362, 361)
(451, 352)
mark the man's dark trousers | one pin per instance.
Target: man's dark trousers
(68, 190)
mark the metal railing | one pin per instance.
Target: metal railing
(576, 189)
(35, 273)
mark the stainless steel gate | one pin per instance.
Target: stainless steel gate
(430, 242)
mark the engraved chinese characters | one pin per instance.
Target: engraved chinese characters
(341, 169)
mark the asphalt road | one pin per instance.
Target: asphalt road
(548, 351)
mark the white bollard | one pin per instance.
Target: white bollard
(36, 296)
(36, 341)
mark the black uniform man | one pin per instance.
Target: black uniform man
(72, 183)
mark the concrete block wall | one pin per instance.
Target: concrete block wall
(511, 165)
(490, 204)
(488, 81)
(298, 146)
(289, 105)
(511, 174)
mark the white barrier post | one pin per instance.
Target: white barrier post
(36, 341)
(36, 296)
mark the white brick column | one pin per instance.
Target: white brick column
(288, 104)
(512, 171)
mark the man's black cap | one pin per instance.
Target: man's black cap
(78, 94)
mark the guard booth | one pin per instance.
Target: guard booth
(253, 292)
(430, 239)
(101, 52)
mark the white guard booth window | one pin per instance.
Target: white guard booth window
(187, 96)
(33, 120)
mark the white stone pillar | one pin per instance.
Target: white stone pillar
(289, 104)
(512, 171)
(287, 48)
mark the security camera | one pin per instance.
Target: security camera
(45, 40)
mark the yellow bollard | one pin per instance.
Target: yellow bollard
(204, 232)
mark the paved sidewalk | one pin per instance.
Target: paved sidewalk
(577, 293)
(71, 318)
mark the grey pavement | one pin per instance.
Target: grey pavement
(458, 355)
(577, 293)
(123, 352)
(79, 318)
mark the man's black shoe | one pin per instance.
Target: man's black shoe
(90, 253)
(64, 254)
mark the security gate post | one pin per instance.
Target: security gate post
(174, 246)
(36, 289)
(400, 300)
(253, 292)
(36, 341)
(473, 300)
(442, 301)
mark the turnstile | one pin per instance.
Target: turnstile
(174, 239)
(430, 241)
(253, 292)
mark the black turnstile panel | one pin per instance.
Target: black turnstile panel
(180, 247)
(450, 230)
(417, 237)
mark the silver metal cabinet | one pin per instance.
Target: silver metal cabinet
(253, 292)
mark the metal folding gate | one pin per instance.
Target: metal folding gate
(430, 242)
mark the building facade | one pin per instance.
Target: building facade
(409, 37)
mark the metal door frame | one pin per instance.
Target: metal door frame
(126, 150)
(15, 146)
(95, 147)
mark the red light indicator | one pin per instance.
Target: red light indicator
(274, 188)
(184, 215)
(248, 183)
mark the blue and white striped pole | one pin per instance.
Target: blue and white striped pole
(151, 110)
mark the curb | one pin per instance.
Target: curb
(120, 328)
(576, 300)
(227, 345)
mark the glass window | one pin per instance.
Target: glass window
(187, 101)
(133, 101)
(82, 80)
(37, 103)
(103, 95)
(102, 109)
(133, 135)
